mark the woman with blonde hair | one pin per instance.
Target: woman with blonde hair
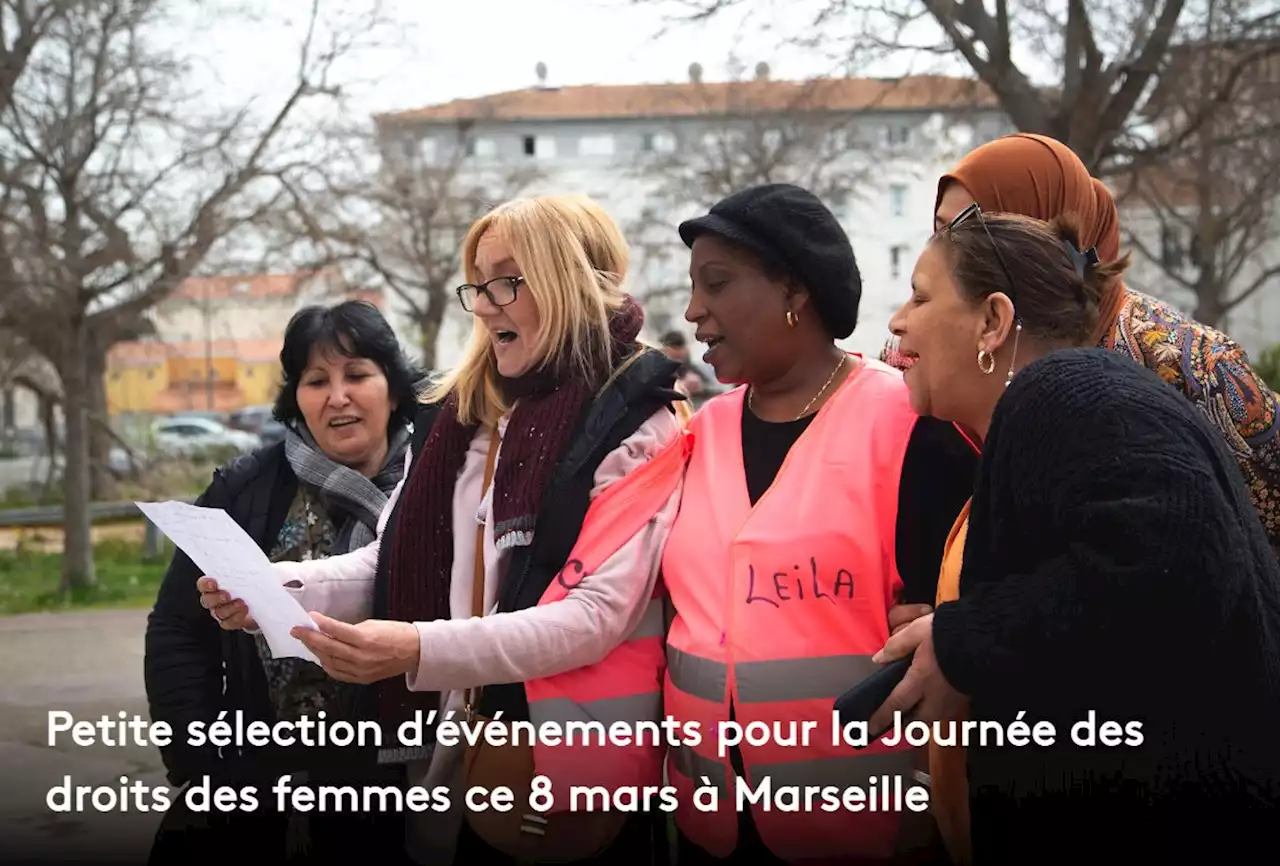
(515, 573)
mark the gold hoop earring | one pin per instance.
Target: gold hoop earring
(986, 362)
(791, 319)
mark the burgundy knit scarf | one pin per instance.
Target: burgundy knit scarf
(547, 405)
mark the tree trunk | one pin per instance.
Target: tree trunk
(77, 544)
(430, 324)
(49, 424)
(1210, 309)
(104, 487)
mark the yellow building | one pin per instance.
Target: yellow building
(219, 376)
(217, 343)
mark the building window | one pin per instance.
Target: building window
(897, 255)
(838, 200)
(482, 147)
(1170, 248)
(540, 146)
(897, 199)
(595, 145)
(897, 134)
(657, 142)
(1197, 255)
(428, 151)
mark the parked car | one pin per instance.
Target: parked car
(257, 419)
(186, 436)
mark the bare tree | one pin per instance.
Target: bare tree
(1108, 79)
(23, 23)
(118, 186)
(398, 224)
(1077, 71)
(1211, 205)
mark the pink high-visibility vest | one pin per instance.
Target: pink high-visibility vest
(625, 687)
(779, 608)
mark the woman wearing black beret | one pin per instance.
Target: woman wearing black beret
(816, 502)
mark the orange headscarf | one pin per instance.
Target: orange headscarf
(1040, 177)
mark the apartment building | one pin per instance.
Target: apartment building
(654, 154)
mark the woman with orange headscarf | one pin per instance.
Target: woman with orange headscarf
(1037, 176)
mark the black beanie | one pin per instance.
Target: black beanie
(791, 228)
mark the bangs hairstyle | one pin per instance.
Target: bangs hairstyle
(351, 329)
(1052, 299)
(574, 259)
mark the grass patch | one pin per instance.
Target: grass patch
(29, 579)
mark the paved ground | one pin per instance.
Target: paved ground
(89, 664)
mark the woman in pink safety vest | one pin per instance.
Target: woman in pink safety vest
(815, 503)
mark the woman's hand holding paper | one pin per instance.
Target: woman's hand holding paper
(365, 653)
(232, 614)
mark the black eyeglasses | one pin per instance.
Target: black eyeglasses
(500, 291)
(971, 212)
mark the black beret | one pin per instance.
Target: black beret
(790, 228)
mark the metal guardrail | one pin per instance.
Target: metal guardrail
(50, 516)
(53, 516)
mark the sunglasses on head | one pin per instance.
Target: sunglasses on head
(974, 212)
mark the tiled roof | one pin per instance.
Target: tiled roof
(247, 285)
(596, 101)
(153, 352)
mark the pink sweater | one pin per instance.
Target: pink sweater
(466, 651)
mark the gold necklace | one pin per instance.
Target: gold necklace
(752, 391)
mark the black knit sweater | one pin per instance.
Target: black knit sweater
(1114, 563)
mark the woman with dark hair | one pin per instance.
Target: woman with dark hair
(347, 398)
(1039, 177)
(1113, 572)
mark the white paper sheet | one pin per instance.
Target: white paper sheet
(225, 552)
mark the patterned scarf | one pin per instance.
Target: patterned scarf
(547, 405)
(354, 502)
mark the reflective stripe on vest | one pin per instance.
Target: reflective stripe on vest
(779, 608)
(625, 687)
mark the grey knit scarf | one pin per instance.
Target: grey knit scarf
(359, 500)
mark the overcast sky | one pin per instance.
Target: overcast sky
(439, 50)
